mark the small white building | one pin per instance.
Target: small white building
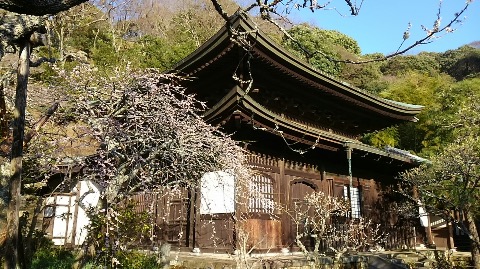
(65, 216)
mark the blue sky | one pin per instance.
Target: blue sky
(381, 23)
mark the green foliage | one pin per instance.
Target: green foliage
(193, 26)
(423, 63)
(461, 63)
(135, 259)
(52, 258)
(114, 233)
(365, 76)
(86, 29)
(104, 54)
(80, 27)
(417, 88)
(450, 181)
(126, 259)
(46, 75)
(309, 41)
(459, 112)
(157, 52)
(421, 89)
(453, 111)
(417, 80)
(383, 138)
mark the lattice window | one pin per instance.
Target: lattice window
(354, 200)
(261, 195)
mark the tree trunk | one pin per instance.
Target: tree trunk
(472, 229)
(3, 113)
(61, 49)
(12, 234)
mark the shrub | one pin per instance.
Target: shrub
(53, 258)
(135, 259)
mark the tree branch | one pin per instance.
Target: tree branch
(39, 124)
(220, 10)
(353, 9)
(267, 9)
(40, 61)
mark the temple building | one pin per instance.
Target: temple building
(302, 128)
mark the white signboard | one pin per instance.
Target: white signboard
(423, 215)
(217, 193)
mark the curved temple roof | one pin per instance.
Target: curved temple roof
(262, 47)
(231, 85)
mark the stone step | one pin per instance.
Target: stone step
(408, 260)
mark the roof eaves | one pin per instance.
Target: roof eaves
(316, 133)
(389, 152)
(270, 45)
(237, 95)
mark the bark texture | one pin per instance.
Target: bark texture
(14, 185)
(38, 7)
(472, 228)
(3, 113)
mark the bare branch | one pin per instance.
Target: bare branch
(220, 10)
(266, 11)
(42, 60)
(354, 10)
(139, 150)
(430, 34)
(39, 124)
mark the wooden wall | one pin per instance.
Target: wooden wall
(178, 214)
(294, 180)
(215, 233)
(264, 234)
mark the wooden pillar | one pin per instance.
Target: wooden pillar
(197, 221)
(190, 227)
(282, 184)
(330, 191)
(450, 242)
(75, 214)
(284, 200)
(428, 231)
(348, 149)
